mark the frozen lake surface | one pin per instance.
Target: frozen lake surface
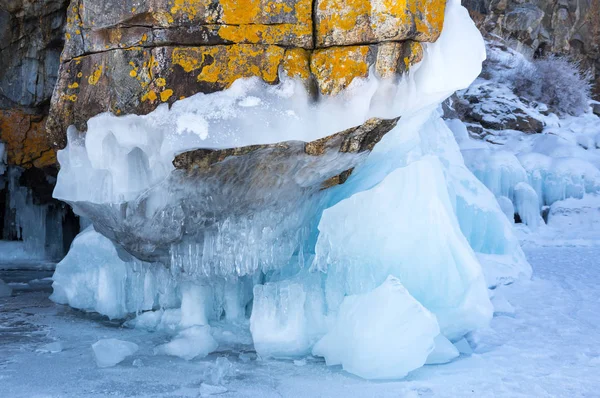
(544, 342)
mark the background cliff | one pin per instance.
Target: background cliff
(543, 27)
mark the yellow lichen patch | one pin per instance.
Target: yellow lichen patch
(161, 82)
(336, 67)
(165, 95)
(96, 75)
(342, 22)
(296, 63)
(73, 85)
(190, 8)
(223, 65)
(132, 73)
(149, 96)
(240, 12)
(341, 15)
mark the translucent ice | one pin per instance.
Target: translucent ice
(193, 342)
(109, 352)
(443, 352)
(383, 334)
(527, 205)
(405, 227)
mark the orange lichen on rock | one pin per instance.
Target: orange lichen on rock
(347, 22)
(296, 63)
(134, 56)
(226, 64)
(336, 67)
(25, 138)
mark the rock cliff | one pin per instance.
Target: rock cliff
(543, 27)
(129, 57)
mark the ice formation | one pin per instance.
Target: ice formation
(529, 174)
(110, 352)
(389, 331)
(393, 252)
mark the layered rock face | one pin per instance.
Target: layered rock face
(129, 57)
(543, 27)
(31, 40)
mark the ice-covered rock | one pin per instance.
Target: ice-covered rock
(110, 352)
(190, 343)
(382, 334)
(303, 223)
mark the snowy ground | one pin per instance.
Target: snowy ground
(549, 346)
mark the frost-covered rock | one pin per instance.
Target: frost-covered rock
(110, 352)
(383, 334)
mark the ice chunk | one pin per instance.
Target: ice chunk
(209, 389)
(443, 352)
(109, 352)
(383, 334)
(405, 227)
(221, 369)
(279, 323)
(193, 305)
(507, 208)
(501, 305)
(5, 290)
(300, 362)
(463, 347)
(51, 348)
(194, 342)
(93, 277)
(527, 205)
